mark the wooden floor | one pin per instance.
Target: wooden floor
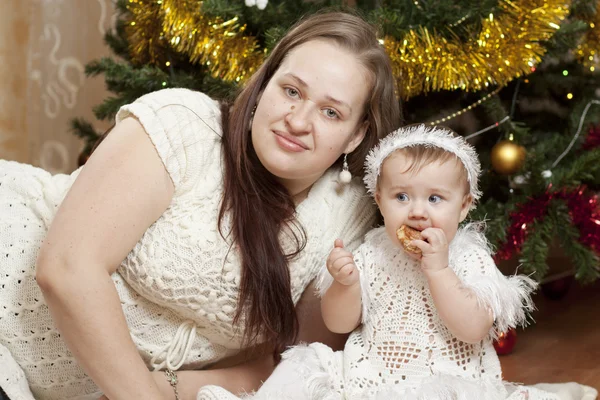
(563, 344)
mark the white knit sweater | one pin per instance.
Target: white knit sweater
(179, 284)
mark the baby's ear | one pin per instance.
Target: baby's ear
(466, 206)
(377, 197)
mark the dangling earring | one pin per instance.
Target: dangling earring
(345, 175)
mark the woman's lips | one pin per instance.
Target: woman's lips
(289, 143)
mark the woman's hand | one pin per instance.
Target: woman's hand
(166, 390)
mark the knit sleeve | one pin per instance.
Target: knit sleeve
(508, 297)
(184, 127)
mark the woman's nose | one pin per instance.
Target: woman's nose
(298, 119)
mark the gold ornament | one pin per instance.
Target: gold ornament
(507, 46)
(507, 157)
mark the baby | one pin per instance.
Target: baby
(422, 297)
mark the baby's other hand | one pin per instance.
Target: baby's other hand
(340, 265)
(434, 249)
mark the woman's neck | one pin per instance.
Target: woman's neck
(298, 189)
(299, 197)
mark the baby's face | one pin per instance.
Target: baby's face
(436, 196)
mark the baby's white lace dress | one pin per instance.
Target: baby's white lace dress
(402, 348)
(179, 285)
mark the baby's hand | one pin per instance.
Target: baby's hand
(434, 249)
(340, 265)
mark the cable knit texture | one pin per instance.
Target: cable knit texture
(179, 285)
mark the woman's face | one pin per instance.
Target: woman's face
(310, 112)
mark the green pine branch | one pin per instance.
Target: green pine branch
(496, 216)
(84, 130)
(452, 19)
(535, 248)
(584, 260)
(117, 42)
(584, 168)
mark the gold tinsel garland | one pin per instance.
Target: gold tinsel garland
(507, 47)
(145, 32)
(219, 44)
(588, 52)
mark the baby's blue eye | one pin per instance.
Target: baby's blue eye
(434, 198)
(402, 197)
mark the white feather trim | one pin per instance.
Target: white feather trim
(444, 387)
(318, 381)
(468, 235)
(427, 136)
(438, 387)
(319, 387)
(509, 298)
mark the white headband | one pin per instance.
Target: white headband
(429, 137)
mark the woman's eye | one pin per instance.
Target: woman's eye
(402, 197)
(292, 92)
(331, 113)
(435, 199)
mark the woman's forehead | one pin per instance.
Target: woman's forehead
(328, 69)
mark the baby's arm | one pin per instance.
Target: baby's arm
(458, 307)
(341, 304)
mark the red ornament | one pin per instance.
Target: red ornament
(592, 140)
(506, 342)
(557, 288)
(527, 213)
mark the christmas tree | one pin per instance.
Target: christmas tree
(519, 79)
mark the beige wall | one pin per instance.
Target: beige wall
(44, 46)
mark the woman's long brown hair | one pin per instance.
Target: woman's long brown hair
(259, 206)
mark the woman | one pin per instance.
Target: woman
(192, 231)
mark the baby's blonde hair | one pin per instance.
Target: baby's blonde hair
(420, 155)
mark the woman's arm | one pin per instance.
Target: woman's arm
(458, 306)
(120, 192)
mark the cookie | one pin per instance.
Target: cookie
(405, 235)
